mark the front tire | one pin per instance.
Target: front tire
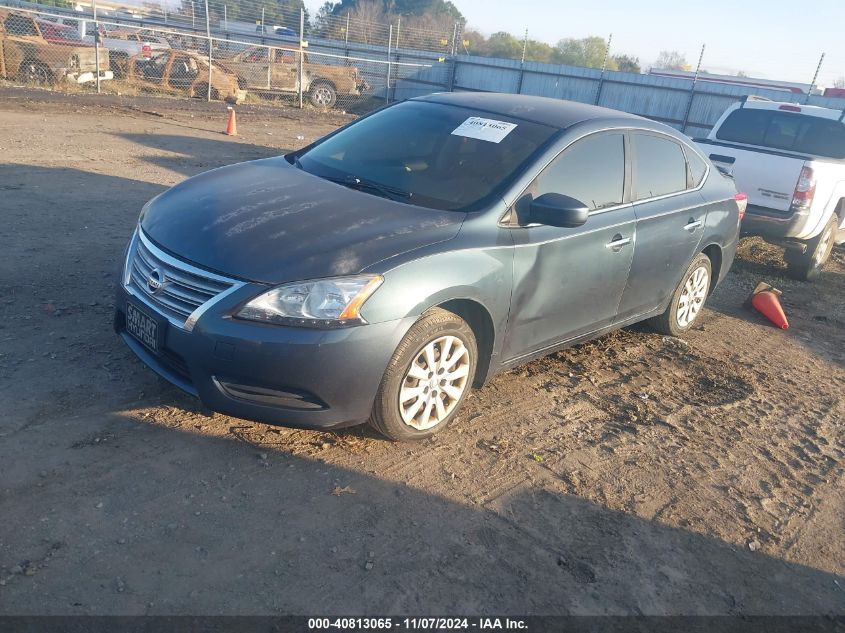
(687, 300)
(427, 379)
(35, 73)
(807, 266)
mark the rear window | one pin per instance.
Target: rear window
(431, 154)
(789, 131)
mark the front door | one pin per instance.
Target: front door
(568, 281)
(284, 70)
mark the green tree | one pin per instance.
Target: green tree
(404, 7)
(627, 63)
(588, 52)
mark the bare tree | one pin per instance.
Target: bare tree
(672, 60)
(839, 83)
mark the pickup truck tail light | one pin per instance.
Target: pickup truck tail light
(742, 204)
(804, 190)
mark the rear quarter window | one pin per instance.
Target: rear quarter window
(660, 166)
(790, 131)
(697, 167)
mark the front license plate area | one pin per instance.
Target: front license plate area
(142, 327)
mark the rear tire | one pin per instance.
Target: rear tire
(688, 299)
(428, 378)
(322, 95)
(807, 266)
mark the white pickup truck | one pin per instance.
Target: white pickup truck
(790, 160)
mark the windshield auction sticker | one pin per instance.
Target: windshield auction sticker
(484, 129)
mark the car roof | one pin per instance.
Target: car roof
(553, 112)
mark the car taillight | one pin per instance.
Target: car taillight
(741, 204)
(804, 190)
(147, 50)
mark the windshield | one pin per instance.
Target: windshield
(429, 154)
(785, 130)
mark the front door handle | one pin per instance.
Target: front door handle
(692, 224)
(618, 242)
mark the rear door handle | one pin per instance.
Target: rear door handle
(692, 224)
(618, 242)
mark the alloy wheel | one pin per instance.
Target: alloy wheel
(323, 96)
(692, 298)
(434, 383)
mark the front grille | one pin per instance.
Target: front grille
(183, 288)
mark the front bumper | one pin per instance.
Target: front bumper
(289, 376)
(773, 224)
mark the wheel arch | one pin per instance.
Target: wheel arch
(481, 322)
(714, 254)
(317, 81)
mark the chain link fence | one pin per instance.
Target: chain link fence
(196, 53)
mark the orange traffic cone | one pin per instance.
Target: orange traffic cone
(232, 125)
(765, 300)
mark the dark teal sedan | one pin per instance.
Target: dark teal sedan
(381, 272)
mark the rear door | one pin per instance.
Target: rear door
(568, 281)
(670, 214)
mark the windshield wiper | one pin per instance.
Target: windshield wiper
(386, 191)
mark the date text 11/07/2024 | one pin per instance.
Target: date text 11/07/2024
(436, 624)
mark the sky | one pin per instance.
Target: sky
(774, 39)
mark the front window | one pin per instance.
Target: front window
(429, 154)
(591, 170)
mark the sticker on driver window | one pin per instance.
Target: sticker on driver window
(484, 129)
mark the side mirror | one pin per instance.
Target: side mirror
(556, 209)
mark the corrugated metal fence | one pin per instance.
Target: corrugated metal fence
(665, 99)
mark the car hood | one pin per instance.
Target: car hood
(270, 222)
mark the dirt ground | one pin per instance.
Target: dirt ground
(635, 474)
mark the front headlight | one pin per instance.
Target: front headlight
(319, 303)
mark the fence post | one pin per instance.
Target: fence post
(96, 43)
(389, 46)
(208, 39)
(522, 63)
(603, 69)
(301, 52)
(692, 90)
(815, 77)
(346, 38)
